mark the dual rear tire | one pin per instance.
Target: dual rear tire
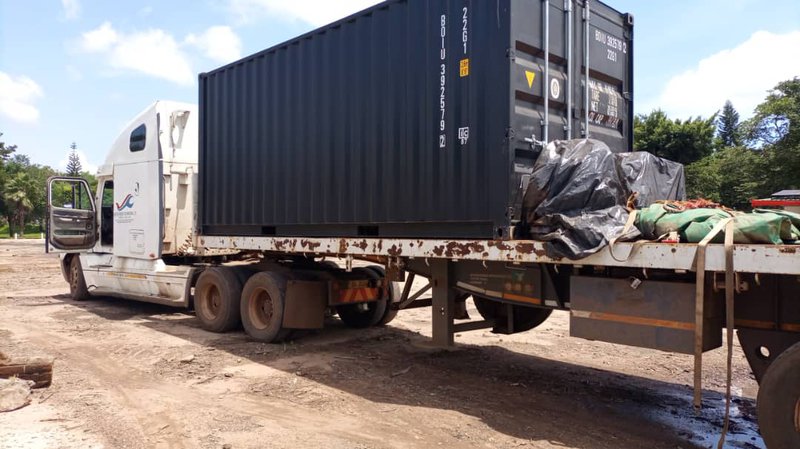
(263, 302)
(229, 297)
(216, 299)
(369, 314)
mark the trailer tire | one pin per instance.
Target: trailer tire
(394, 295)
(262, 305)
(525, 318)
(779, 401)
(216, 299)
(77, 283)
(363, 315)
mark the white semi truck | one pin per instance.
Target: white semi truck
(407, 135)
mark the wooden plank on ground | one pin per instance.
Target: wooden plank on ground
(40, 371)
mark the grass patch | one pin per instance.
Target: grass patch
(31, 232)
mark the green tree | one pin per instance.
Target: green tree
(5, 153)
(775, 129)
(732, 176)
(38, 193)
(74, 167)
(728, 126)
(683, 141)
(17, 196)
(5, 150)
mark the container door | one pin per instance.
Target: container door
(71, 218)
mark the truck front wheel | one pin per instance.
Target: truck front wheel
(77, 283)
(216, 299)
(779, 401)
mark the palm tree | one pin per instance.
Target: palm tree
(17, 199)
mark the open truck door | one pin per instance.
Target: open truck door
(71, 217)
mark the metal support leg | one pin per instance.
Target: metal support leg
(443, 304)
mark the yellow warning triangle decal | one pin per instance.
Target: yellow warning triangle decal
(531, 76)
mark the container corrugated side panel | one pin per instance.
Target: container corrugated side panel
(337, 132)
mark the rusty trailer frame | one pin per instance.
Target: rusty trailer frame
(766, 259)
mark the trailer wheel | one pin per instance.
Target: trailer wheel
(216, 299)
(779, 401)
(363, 315)
(262, 306)
(394, 295)
(77, 283)
(525, 318)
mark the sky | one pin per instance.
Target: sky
(79, 70)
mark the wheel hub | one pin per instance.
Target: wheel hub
(213, 302)
(261, 311)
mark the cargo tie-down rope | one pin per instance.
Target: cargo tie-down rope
(730, 277)
(727, 225)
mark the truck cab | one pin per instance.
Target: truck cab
(142, 212)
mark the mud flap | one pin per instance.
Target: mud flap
(306, 302)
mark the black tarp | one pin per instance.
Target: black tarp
(577, 195)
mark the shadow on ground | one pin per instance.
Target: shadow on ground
(517, 394)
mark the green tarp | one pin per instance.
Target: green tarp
(692, 225)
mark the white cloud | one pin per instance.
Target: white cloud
(99, 39)
(85, 164)
(315, 12)
(152, 52)
(17, 97)
(72, 9)
(218, 43)
(742, 74)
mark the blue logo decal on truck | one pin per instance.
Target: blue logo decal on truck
(127, 203)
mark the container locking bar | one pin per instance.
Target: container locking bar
(570, 86)
(586, 17)
(546, 81)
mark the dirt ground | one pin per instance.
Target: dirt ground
(135, 375)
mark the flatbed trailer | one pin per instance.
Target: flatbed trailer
(641, 293)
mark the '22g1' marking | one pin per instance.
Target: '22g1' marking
(465, 29)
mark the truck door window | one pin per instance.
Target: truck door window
(107, 214)
(138, 138)
(71, 195)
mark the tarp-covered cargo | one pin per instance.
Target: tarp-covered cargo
(580, 192)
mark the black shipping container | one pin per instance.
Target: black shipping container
(414, 118)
